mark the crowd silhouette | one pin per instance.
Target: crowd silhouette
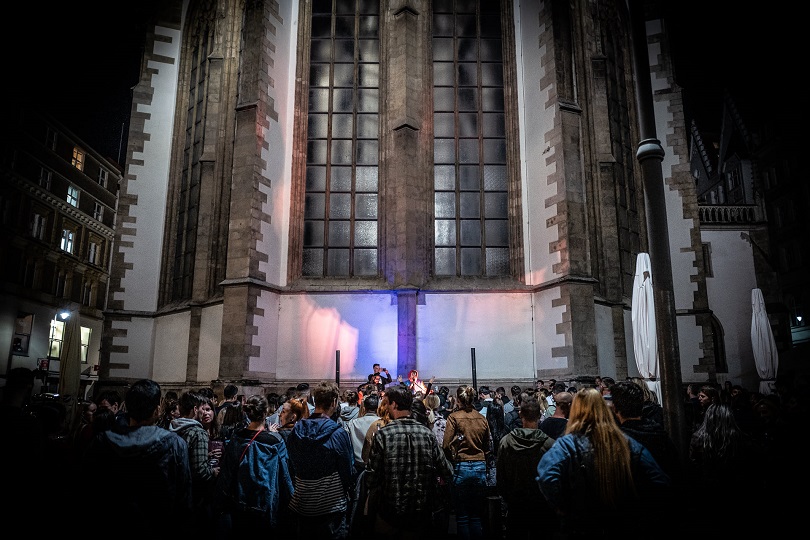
(559, 460)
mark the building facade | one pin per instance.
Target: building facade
(315, 186)
(58, 200)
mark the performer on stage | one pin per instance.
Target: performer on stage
(415, 385)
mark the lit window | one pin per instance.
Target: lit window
(98, 211)
(102, 177)
(57, 336)
(73, 196)
(78, 159)
(67, 240)
(38, 226)
(45, 178)
(85, 345)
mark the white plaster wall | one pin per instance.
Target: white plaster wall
(535, 121)
(681, 252)
(171, 346)
(605, 357)
(210, 343)
(730, 299)
(139, 344)
(363, 327)
(151, 171)
(266, 337)
(546, 317)
(498, 326)
(278, 150)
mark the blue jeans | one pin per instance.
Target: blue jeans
(469, 498)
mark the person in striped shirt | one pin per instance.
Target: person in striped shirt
(322, 467)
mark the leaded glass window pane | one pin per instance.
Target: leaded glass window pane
(365, 233)
(342, 151)
(340, 206)
(338, 261)
(366, 179)
(470, 232)
(317, 126)
(445, 261)
(366, 207)
(342, 124)
(339, 233)
(497, 261)
(444, 177)
(470, 261)
(368, 75)
(341, 179)
(470, 204)
(445, 205)
(445, 232)
(368, 126)
(344, 75)
(443, 124)
(365, 261)
(497, 232)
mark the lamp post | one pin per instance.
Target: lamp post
(650, 154)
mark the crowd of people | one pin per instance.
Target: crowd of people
(402, 459)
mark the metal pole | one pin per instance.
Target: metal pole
(474, 376)
(650, 154)
(337, 367)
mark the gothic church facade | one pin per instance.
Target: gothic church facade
(314, 186)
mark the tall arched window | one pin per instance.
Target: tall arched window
(469, 152)
(340, 209)
(188, 199)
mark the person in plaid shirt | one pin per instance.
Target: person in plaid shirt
(405, 471)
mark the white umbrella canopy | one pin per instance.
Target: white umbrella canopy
(766, 357)
(645, 344)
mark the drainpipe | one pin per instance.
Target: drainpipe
(650, 154)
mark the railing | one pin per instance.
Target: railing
(720, 214)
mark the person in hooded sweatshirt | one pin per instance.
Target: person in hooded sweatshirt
(322, 467)
(519, 453)
(145, 466)
(203, 474)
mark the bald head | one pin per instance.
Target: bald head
(563, 401)
(563, 397)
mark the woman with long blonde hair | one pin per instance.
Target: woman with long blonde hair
(596, 477)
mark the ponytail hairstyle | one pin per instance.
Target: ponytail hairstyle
(465, 394)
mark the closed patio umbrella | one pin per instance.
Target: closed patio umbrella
(766, 357)
(645, 344)
(70, 364)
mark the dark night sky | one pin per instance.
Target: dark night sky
(82, 60)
